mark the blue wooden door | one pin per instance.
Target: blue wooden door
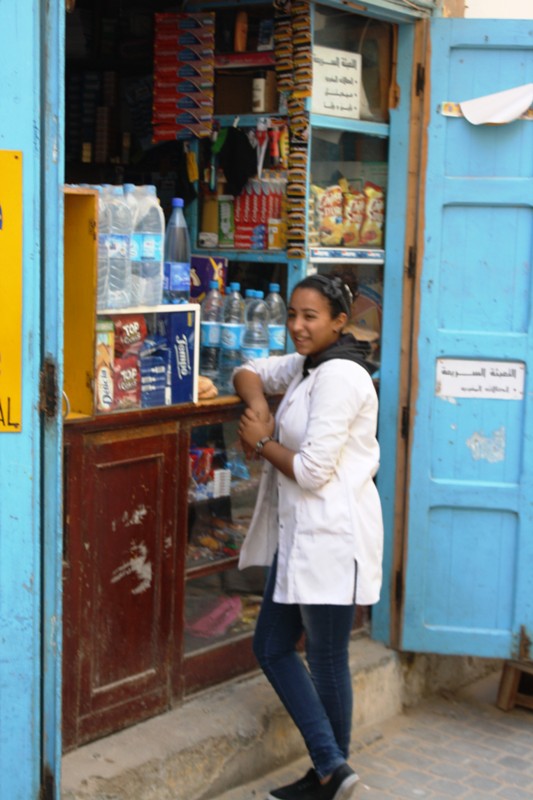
(31, 56)
(468, 584)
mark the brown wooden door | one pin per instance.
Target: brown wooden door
(121, 512)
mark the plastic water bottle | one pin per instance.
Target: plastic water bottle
(119, 292)
(130, 196)
(210, 325)
(177, 257)
(255, 337)
(103, 251)
(147, 248)
(231, 334)
(277, 322)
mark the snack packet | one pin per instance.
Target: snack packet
(130, 333)
(329, 212)
(354, 214)
(372, 227)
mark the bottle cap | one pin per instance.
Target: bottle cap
(177, 202)
(213, 284)
(274, 287)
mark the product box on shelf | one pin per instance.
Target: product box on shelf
(147, 357)
(205, 269)
(181, 330)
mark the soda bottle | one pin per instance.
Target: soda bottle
(277, 320)
(177, 257)
(147, 248)
(119, 242)
(104, 226)
(255, 337)
(210, 323)
(231, 333)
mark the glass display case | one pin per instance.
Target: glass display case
(221, 602)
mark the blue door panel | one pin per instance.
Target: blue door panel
(20, 580)
(469, 560)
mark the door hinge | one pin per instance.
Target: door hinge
(48, 401)
(398, 587)
(47, 791)
(411, 262)
(405, 422)
(420, 81)
(524, 647)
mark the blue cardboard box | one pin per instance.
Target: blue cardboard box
(181, 328)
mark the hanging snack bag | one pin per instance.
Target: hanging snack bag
(372, 227)
(354, 214)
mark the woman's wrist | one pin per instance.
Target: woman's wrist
(262, 442)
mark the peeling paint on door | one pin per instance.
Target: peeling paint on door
(489, 448)
(136, 565)
(136, 517)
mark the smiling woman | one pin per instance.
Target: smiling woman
(317, 522)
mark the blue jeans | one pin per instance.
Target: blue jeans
(318, 699)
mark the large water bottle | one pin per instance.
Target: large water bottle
(231, 334)
(104, 228)
(255, 337)
(210, 328)
(177, 269)
(147, 248)
(119, 293)
(277, 321)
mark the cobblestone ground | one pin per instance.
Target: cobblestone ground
(451, 746)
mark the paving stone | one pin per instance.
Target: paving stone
(482, 783)
(514, 763)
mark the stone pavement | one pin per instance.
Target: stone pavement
(453, 745)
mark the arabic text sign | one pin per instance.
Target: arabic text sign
(494, 380)
(11, 294)
(336, 82)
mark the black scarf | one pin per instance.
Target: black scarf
(346, 347)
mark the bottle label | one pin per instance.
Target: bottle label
(231, 335)
(254, 352)
(146, 247)
(178, 276)
(210, 334)
(276, 337)
(118, 245)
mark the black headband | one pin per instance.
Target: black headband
(335, 289)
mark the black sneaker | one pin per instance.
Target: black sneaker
(299, 790)
(340, 786)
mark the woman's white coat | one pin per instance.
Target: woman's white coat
(326, 524)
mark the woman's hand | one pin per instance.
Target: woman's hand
(252, 428)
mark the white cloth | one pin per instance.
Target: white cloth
(327, 523)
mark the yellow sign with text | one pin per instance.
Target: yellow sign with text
(11, 294)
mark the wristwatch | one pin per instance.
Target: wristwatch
(262, 442)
